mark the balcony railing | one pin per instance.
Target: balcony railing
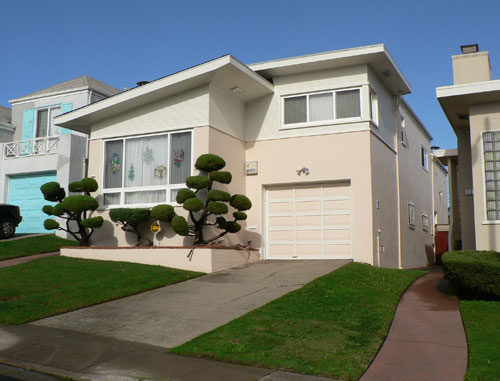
(33, 147)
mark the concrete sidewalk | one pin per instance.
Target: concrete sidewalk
(426, 340)
(28, 258)
(80, 356)
(172, 315)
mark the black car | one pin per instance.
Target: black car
(10, 217)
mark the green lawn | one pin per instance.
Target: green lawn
(53, 285)
(332, 326)
(32, 245)
(482, 327)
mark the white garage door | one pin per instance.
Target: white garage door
(309, 222)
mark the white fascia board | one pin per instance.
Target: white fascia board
(467, 89)
(417, 119)
(48, 95)
(161, 83)
(332, 55)
(446, 152)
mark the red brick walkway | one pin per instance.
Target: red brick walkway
(426, 340)
(17, 261)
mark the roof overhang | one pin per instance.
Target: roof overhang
(444, 155)
(455, 100)
(225, 72)
(376, 56)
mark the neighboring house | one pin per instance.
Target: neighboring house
(314, 141)
(40, 151)
(472, 106)
(6, 127)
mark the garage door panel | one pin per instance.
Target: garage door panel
(280, 207)
(337, 219)
(283, 235)
(281, 250)
(308, 235)
(336, 190)
(334, 205)
(280, 221)
(310, 221)
(308, 206)
(308, 249)
(312, 191)
(337, 234)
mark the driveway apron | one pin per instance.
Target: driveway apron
(172, 315)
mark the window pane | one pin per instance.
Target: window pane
(111, 198)
(54, 130)
(146, 161)
(148, 197)
(347, 104)
(321, 107)
(113, 162)
(41, 123)
(491, 148)
(180, 158)
(295, 110)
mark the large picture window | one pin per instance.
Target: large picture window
(147, 169)
(491, 149)
(325, 106)
(44, 125)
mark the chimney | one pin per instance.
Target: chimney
(471, 66)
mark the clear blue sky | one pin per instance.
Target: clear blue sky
(122, 42)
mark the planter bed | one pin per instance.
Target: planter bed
(207, 259)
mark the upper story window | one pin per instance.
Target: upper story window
(425, 222)
(319, 107)
(403, 131)
(491, 152)
(411, 215)
(147, 169)
(374, 107)
(424, 158)
(44, 122)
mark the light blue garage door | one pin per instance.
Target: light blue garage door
(25, 193)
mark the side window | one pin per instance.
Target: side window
(411, 215)
(403, 132)
(423, 158)
(374, 107)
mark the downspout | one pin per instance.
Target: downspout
(434, 222)
(397, 101)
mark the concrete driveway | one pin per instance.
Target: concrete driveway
(172, 315)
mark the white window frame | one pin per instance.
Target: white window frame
(374, 110)
(485, 190)
(425, 164)
(335, 120)
(411, 215)
(167, 187)
(425, 226)
(404, 136)
(48, 108)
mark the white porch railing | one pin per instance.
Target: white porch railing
(33, 147)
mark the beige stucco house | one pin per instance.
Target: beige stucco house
(335, 161)
(472, 106)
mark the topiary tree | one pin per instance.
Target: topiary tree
(213, 203)
(74, 209)
(130, 219)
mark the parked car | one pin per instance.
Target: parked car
(10, 218)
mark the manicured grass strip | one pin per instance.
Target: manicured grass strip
(482, 327)
(332, 326)
(53, 285)
(32, 245)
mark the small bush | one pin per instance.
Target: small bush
(180, 225)
(240, 202)
(198, 182)
(129, 215)
(217, 207)
(48, 209)
(89, 185)
(218, 195)
(209, 162)
(221, 177)
(233, 227)
(52, 191)
(163, 213)
(193, 204)
(474, 271)
(184, 194)
(93, 222)
(49, 224)
(240, 216)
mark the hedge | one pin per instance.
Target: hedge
(474, 271)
